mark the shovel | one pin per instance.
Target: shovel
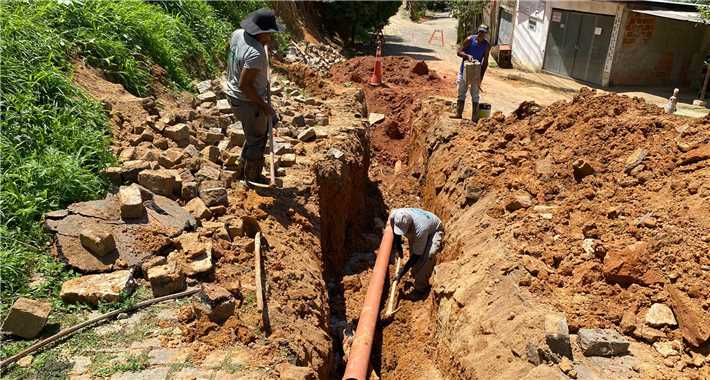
(392, 299)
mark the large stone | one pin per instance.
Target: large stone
(166, 279)
(26, 318)
(204, 86)
(299, 121)
(667, 349)
(217, 302)
(557, 335)
(518, 200)
(131, 169)
(131, 202)
(210, 153)
(213, 193)
(188, 190)
(207, 96)
(208, 173)
(95, 288)
(660, 315)
(170, 157)
(192, 244)
(197, 208)
(98, 242)
(634, 159)
(287, 160)
(602, 342)
(213, 136)
(158, 181)
(223, 106)
(307, 135)
(179, 133)
(693, 323)
(698, 154)
(289, 371)
(626, 266)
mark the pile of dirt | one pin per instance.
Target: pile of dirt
(604, 201)
(405, 82)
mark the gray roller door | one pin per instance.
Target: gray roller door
(505, 28)
(577, 44)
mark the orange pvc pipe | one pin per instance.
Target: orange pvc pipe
(359, 359)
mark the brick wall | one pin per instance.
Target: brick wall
(657, 51)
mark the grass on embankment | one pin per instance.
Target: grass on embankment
(54, 139)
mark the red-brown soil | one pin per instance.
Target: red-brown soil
(405, 84)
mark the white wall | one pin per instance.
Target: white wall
(529, 45)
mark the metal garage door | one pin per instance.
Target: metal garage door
(577, 44)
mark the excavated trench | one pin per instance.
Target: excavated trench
(353, 208)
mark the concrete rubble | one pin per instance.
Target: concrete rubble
(602, 342)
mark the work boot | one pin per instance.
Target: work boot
(474, 112)
(252, 171)
(459, 110)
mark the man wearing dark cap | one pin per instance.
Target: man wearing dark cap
(248, 86)
(475, 48)
(425, 234)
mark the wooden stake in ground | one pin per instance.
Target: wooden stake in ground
(259, 275)
(392, 299)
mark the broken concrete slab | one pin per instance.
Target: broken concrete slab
(166, 279)
(97, 241)
(170, 215)
(95, 288)
(602, 342)
(26, 318)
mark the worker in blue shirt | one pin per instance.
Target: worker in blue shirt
(475, 47)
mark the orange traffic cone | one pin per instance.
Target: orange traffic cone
(376, 78)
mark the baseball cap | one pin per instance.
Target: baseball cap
(401, 222)
(483, 28)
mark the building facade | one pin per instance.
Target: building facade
(607, 43)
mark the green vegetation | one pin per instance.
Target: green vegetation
(354, 20)
(469, 15)
(54, 139)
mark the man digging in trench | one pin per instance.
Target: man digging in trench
(248, 87)
(425, 234)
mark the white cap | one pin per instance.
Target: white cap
(402, 222)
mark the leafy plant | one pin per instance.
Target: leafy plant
(353, 20)
(469, 15)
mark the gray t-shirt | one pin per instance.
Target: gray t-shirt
(423, 225)
(245, 52)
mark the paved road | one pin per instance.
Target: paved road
(505, 89)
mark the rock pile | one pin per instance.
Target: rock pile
(176, 169)
(318, 56)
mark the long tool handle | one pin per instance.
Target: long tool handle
(391, 300)
(272, 169)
